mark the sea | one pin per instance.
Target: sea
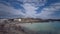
(43, 27)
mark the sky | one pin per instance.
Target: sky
(45, 9)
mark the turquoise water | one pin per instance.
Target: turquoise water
(42, 26)
(53, 27)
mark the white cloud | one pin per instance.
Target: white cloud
(48, 11)
(30, 10)
(10, 10)
(45, 13)
(34, 2)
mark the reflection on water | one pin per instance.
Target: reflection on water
(43, 28)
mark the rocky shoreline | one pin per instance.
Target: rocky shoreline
(14, 29)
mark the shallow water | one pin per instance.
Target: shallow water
(51, 27)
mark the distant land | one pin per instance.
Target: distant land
(29, 20)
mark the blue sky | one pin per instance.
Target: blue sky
(44, 9)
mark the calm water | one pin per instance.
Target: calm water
(44, 28)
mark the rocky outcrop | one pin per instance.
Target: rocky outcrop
(11, 29)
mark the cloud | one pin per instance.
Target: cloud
(10, 11)
(13, 7)
(48, 12)
(28, 10)
(34, 2)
